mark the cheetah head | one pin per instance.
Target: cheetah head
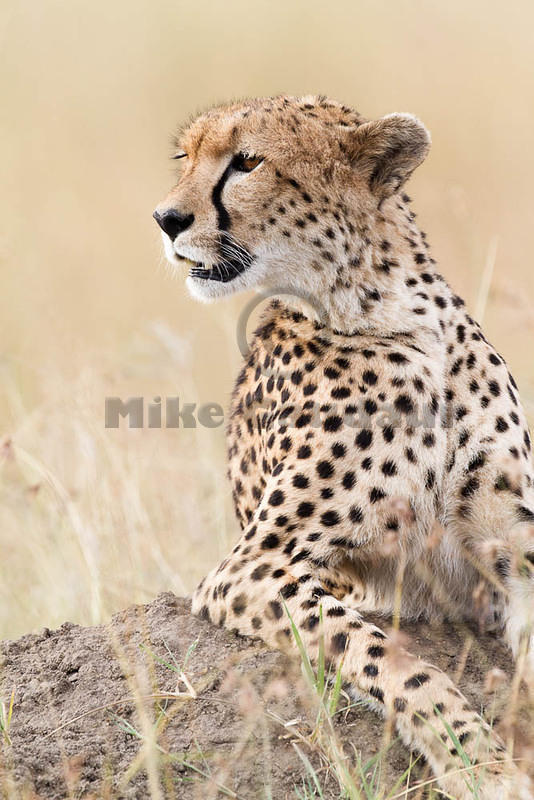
(274, 194)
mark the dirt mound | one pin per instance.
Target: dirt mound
(160, 704)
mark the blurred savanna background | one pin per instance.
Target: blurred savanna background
(94, 519)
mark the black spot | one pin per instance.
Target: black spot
(389, 468)
(370, 407)
(463, 438)
(388, 433)
(397, 358)
(276, 498)
(501, 425)
(364, 439)
(304, 451)
(355, 514)
(476, 462)
(305, 509)
(376, 494)
(416, 680)
(349, 479)
(404, 404)
(502, 567)
(418, 384)
(270, 542)
(330, 518)
(525, 514)
(331, 373)
(376, 651)
(289, 590)
(410, 455)
(239, 604)
(325, 469)
(369, 377)
(332, 424)
(251, 532)
(470, 487)
(276, 609)
(336, 611)
(339, 450)
(260, 572)
(340, 393)
(371, 670)
(377, 693)
(339, 642)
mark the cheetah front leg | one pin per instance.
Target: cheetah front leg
(272, 573)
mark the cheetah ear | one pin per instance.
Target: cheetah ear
(387, 151)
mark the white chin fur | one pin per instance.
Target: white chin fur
(207, 290)
(201, 290)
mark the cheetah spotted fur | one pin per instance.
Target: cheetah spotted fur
(373, 427)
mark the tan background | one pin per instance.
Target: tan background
(90, 519)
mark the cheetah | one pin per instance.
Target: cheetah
(373, 427)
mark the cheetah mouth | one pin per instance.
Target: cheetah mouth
(235, 260)
(221, 272)
(197, 269)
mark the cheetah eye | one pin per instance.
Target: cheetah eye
(179, 154)
(244, 163)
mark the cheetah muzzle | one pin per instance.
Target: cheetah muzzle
(385, 433)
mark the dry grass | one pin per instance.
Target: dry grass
(94, 519)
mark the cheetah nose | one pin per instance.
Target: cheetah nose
(172, 222)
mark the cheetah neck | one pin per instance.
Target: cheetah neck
(384, 283)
